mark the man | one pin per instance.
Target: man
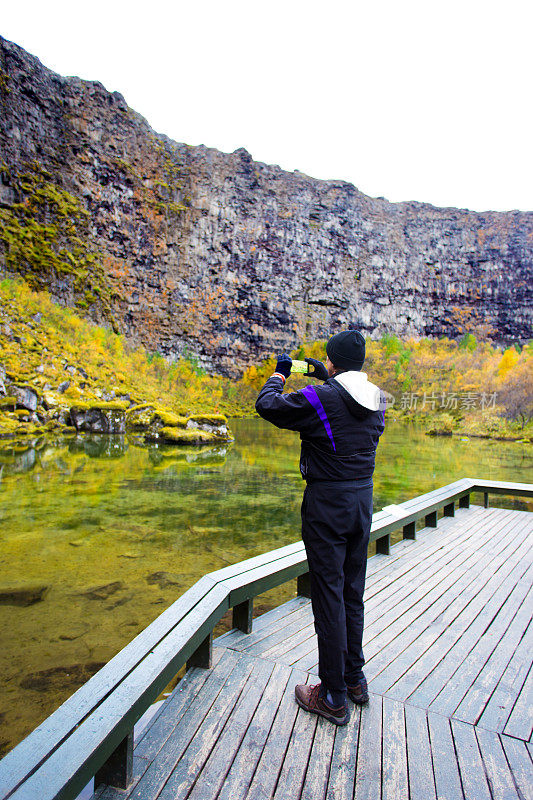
(340, 424)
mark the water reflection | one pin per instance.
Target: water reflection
(98, 535)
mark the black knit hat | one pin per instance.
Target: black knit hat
(346, 350)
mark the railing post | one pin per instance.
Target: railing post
(409, 530)
(449, 510)
(464, 501)
(118, 769)
(303, 585)
(203, 655)
(243, 615)
(486, 499)
(431, 519)
(383, 545)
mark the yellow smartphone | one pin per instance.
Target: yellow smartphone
(300, 367)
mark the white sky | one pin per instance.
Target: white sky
(412, 100)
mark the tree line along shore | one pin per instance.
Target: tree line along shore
(62, 375)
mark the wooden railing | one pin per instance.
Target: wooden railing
(91, 734)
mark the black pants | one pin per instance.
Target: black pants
(336, 520)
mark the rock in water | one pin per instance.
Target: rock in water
(22, 595)
(99, 418)
(103, 592)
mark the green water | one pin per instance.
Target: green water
(108, 534)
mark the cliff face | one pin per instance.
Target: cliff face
(189, 250)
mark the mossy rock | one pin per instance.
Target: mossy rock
(8, 402)
(209, 419)
(26, 396)
(21, 413)
(101, 405)
(186, 436)
(150, 417)
(8, 425)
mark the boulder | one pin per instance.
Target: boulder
(216, 424)
(184, 436)
(27, 396)
(152, 418)
(99, 417)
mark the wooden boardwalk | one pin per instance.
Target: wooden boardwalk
(448, 643)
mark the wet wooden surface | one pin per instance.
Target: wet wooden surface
(448, 643)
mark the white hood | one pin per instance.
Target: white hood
(356, 383)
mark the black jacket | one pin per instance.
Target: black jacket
(339, 433)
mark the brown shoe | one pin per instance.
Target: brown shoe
(358, 693)
(308, 697)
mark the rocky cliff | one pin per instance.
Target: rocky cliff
(190, 250)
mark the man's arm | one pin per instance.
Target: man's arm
(290, 411)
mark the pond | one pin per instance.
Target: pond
(99, 536)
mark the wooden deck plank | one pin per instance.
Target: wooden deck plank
(368, 770)
(234, 638)
(394, 766)
(475, 785)
(419, 760)
(520, 723)
(266, 774)
(459, 562)
(226, 686)
(261, 646)
(499, 707)
(318, 768)
(424, 680)
(469, 582)
(521, 765)
(391, 653)
(508, 631)
(220, 756)
(424, 561)
(344, 759)
(295, 647)
(459, 684)
(499, 774)
(445, 767)
(292, 774)
(172, 711)
(427, 542)
(245, 762)
(184, 772)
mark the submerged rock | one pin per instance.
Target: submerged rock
(59, 678)
(164, 579)
(22, 595)
(103, 592)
